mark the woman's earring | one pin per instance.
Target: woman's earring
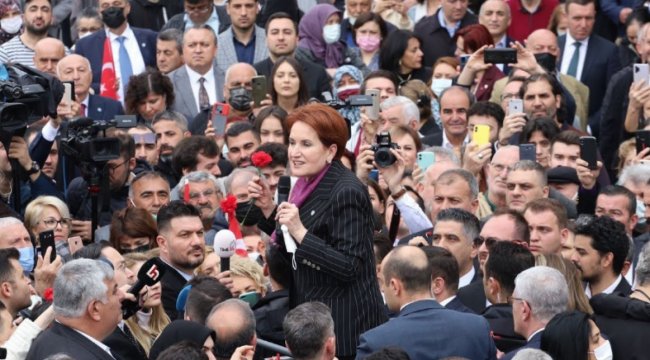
(329, 161)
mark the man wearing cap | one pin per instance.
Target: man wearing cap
(565, 180)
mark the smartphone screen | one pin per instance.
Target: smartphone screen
(219, 117)
(46, 238)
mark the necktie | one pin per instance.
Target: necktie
(573, 65)
(133, 340)
(204, 100)
(125, 63)
(83, 110)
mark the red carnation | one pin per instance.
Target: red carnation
(48, 295)
(230, 204)
(261, 159)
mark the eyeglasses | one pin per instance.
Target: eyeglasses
(201, 10)
(490, 241)
(510, 298)
(112, 168)
(197, 195)
(505, 97)
(51, 223)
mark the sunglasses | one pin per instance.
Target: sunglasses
(490, 241)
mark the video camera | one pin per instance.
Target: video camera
(83, 144)
(352, 101)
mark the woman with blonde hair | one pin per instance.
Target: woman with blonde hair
(211, 265)
(50, 213)
(577, 298)
(248, 280)
(150, 321)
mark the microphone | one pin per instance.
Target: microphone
(80, 122)
(150, 274)
(284, 187)
(225, 245)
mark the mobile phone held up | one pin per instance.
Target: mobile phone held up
(46, 239)
(259, 90)
(527, 152)
(219, 117)
(589, 151)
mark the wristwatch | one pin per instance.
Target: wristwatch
(35, 168)
(398, 195)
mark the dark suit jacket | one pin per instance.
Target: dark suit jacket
(473, 296)
(485, 86)
(172, 284)
(319, 80)
(534, 343)
(92, 48)
(601, 62)
(335, 261)
(456, 305)
(122, 347)
(103, 108)
(624, 287)
(431, 32)
(61, 339)
(427, 330)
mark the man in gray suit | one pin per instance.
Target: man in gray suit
(198, 84)
(243, 41)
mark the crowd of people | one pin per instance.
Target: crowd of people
(460, 216)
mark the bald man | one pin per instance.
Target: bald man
(495, 16)
(237, 92)
(543, 43)
(47, 54)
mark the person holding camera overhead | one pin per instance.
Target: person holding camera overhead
(329, 215)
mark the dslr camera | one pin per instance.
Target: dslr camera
(383, 157)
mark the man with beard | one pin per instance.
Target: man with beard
(182, 248)
(38, 19)
(133, 49)
(243, 41)
(238, 93)
(601, 246)
(242, 140)
(170, 128)
(200, 189)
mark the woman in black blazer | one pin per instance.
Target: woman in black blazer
(329, 215)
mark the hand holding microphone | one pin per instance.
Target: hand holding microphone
(225, 245)
(150, 274)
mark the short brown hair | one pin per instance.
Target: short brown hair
(134, 223)
(545, 204)
(327, 122)
(567, 137)
(399, 131)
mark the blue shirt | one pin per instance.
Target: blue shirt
(443, 23)
(245, 53)
(213, 21)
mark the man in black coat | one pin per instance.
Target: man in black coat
(81, 325)
(440, 28)
(282, 39)
(445, 275)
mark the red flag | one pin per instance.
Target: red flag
(108, 72)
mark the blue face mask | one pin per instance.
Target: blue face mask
(26, 259)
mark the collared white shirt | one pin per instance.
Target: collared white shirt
(184, 275)
(568, 51)
(447, 300)
(467, 278)
(213, 21)
(412, 302)
(630, 275)
(98, 343)
(535, 333)
(501, 45)
(447, 144)
(132, 47)
(609, 290)
(209, 83)
(414, 218)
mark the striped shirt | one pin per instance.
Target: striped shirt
(16, 51)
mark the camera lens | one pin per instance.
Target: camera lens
(384, 158)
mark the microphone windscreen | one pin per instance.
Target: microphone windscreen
(225, 243)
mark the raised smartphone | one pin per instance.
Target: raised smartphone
(481, 134)
(463, 60)
(589, 151)
(515, 106)
(374, 174)
(373, 111)
(46, 239)
(642, 140)
(259, 90)
(527, 152)
(219, 117)
(251, 298)
(500, 56)
(68, 94)
(641, 72)
(75, 243)
(425, 159)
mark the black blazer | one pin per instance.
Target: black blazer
(473, 296)
(456, 305)
(172, 284)
(61, 339)
(122, 347)
(335, 261)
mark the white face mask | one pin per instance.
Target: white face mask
(332, 33)
(438, 85)
(87, 33)
(604, 351)
(253, 255)
(352, 20)
(11, 26)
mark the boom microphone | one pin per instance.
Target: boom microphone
(150, 274)
(225, 245)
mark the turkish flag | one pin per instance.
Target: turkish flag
(108, 80)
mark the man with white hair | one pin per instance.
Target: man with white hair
(532, 354)
(497, 176)
(401, 111)
(540, 293)
(87, 307)
(200, 189)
